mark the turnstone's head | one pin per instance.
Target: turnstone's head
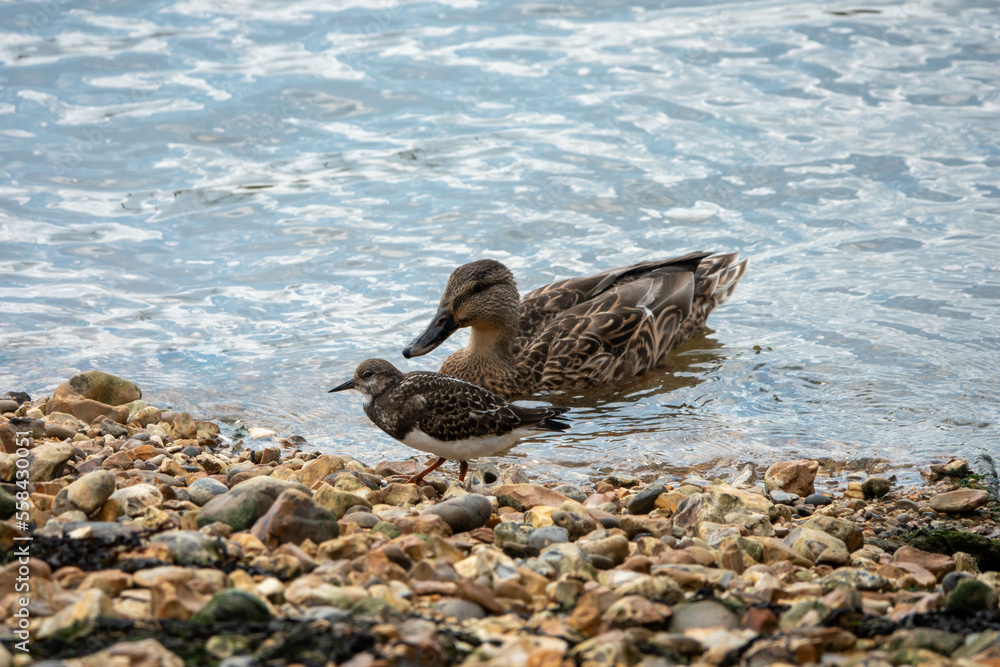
(480, 293)
(371, 378)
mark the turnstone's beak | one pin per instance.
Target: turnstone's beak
(441, 327)
(341, 387)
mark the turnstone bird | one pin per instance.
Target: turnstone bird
(576, 332)
(448, 417)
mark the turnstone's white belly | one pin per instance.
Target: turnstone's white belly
(463, 450)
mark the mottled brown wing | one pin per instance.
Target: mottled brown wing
(453, 409)
(620, 334)
(539, 307)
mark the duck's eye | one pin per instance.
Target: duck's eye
(479, 287)
(368, 375)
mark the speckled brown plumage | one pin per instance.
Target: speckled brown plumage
(446, 416)
(577, 332)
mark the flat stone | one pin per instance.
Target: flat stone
(963, 500)
(464, 513)
(818, 499)
(937, 564)
(783, 497)
(406, 468)
(522, 497)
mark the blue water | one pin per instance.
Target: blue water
(234, 203)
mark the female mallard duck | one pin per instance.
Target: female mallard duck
(582, 331)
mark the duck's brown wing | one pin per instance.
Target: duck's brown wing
(541, 306)
(621, 333)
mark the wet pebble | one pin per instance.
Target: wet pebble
(204, 489)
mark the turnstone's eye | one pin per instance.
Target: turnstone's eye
(368, 374)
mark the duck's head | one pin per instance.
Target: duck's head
(371, 378)
(479, 294)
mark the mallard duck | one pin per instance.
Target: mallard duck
(577, 332)
(448, 417)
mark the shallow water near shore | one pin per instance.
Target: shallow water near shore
(232, 205)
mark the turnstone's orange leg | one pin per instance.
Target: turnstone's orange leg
(419, 477)
(463, 467)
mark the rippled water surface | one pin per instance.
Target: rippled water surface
(234, 203)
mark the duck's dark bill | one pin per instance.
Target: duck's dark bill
(341, 387)
(442, 326)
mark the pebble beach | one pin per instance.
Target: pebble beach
(148, 537)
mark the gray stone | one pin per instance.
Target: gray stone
(546, 535)
(644, 501)
(460, 610)
(952, 579)
(783, 497)
(573, 492)
(464, 513)
(113, 428)
(818, 499)
(204, 489)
